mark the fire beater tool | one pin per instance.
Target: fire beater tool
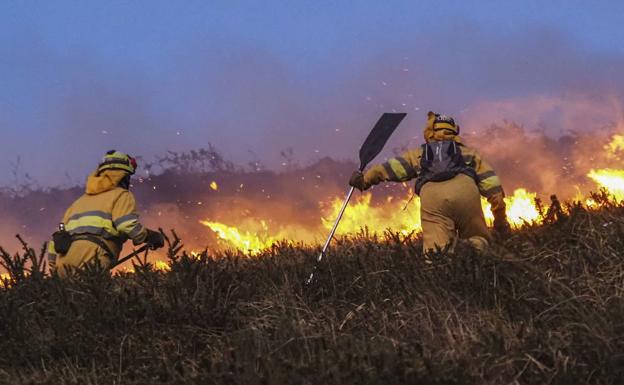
(372, 146)
(131, 255)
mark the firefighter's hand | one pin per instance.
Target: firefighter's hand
(154, 239)
(357, 181)
(501, 226)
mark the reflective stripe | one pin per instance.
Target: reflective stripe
(92, 221)
(488, 193)
(399, 171)
(407, 166)
(129, 217)
(390, 171)
(485, 175)
(100, 214)
(136, 231)
(490, 182)
(437, 126)
(91, 230)
(51, 252)
(129, 225)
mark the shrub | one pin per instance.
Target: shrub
(542, 306)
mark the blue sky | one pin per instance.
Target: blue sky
(80, 77)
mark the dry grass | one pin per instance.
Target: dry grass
(545, 306)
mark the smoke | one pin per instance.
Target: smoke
(286, 205)
(8, 228)
(246, 97)
(546, 144)
(297, 204)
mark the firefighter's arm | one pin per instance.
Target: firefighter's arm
(399, 169)
(126, 218)
(491, 188)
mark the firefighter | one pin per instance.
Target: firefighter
(97, 224)
(450, 178)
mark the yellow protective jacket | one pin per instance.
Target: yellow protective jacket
(407, 166)
(105, 211)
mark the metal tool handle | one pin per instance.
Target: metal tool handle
(372, 146)
(331, 234)
(131, 255)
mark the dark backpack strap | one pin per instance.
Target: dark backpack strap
(426, 152)
(96, 240)
(452, 149)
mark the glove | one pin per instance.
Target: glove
(154, 239)
(501, 226)
(357, 181)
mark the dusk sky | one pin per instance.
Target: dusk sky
(80, 77)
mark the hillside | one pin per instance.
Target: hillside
(542, 306)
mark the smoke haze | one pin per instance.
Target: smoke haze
(65, 103)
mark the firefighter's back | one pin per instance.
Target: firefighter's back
(91, 216)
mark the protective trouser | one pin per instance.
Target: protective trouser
(80, 253)
(452, 208)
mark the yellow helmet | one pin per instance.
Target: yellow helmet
(440, 127)
(445, 122)
(115, 160)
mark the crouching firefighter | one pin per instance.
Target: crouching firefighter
(450, 179)
(97, 224)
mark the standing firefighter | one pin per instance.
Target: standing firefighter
(98, 223)
(450, 178)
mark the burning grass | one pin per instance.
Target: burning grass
(543, 306)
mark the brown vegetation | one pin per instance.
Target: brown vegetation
(544, 306)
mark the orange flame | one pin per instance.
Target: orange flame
(403, 216)
(376, 219)
(520, 209)
(161, 266)
(610, 180)
(5, 280)
(252, 243)
(615, 146)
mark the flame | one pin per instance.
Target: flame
(615, 146)
(377, 219)
(161, 265)
(520, 208)
(402, 215)
(5, 280)
(214, 186)
(249, 242)
(611, 180)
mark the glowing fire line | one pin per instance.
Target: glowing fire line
(246, 241)
(610, 180)
(521, 209)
